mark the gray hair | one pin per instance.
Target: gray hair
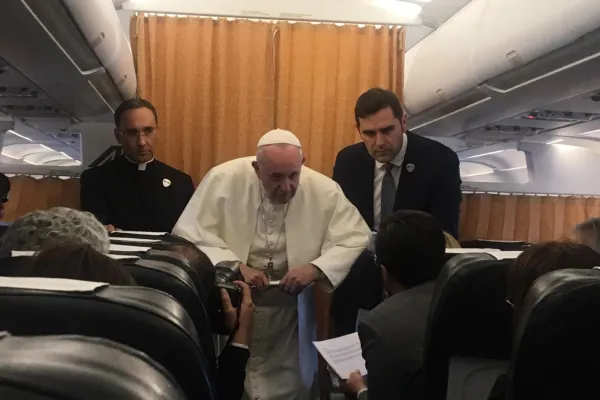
(590, 228)
(44, 229)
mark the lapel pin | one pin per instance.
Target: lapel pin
(410, 167)
(166, 182)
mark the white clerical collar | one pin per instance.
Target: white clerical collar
(141, 166)
(399, 159)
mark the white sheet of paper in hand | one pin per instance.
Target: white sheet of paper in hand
(343, 354)
(503, 255)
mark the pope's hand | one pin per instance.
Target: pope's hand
(355, 383)
(255, 278)
(110, 228)
(299, 278)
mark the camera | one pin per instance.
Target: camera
(226, 272)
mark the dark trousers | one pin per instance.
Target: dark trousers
(362, 289)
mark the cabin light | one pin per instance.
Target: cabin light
(478, 174)
(399, 7)
(556, 141)
(513, 169)
(19, 135)
(590, 132)
(486, 154)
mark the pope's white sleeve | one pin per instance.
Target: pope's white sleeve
(347, 237)
(199, 222)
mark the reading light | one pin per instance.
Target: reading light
(556, 141)
(478, 174)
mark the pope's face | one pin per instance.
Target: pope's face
(278, 168)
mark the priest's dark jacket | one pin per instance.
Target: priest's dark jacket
(139, 197)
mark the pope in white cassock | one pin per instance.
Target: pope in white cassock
(284, 222)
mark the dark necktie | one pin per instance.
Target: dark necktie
(388, 192)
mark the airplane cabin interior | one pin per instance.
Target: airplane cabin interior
(512, 87)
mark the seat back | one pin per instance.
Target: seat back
(557, 344)
(80, 367)
(177, 282)
(468, 321)
(142, 318)
(503, 245)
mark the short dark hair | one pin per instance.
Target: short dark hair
(81, 262)
(374, 100)
(204, 268)
(411, 246)
(540, 259)
(132, 104)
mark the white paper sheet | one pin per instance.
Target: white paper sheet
(16, 253)
(51, 284)
(503, 255)
(466, 251)
(144, 233)
(343, 354)
(121, 247)
(139, 240)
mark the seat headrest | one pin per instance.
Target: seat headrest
(145, 319)
(79, 367)
(556, 338)
(468, 316)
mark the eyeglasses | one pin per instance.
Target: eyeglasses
(134, 133)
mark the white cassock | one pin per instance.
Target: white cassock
(230, 218)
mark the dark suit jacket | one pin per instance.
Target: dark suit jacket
(433, 186)
(392, 336)
(118, 194)
(231, 372)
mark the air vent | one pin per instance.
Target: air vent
(512, 129)
(559, 116)
(585, 47)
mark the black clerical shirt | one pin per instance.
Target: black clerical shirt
(140, 197)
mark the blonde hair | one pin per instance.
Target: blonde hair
(451, 242)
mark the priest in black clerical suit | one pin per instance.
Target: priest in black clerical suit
(135, 191)
(391, 169)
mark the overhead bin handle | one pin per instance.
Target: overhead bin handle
(98, 70)
(543, 76)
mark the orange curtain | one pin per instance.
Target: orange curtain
(220, 84)
(322, 69)
(28, 194)
(212, 82)
(529, 218)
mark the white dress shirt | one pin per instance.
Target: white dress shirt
(379, 174)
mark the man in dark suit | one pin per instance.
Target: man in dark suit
(392, 169)
(135, 191)
(410, 250)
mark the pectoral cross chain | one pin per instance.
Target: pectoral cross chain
(269, 268)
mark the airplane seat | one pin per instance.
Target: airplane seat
(557, 346)
(495, 244)
(12, 266)
(168, 278)
(143, 318)
(80, 368)
(467, 342)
